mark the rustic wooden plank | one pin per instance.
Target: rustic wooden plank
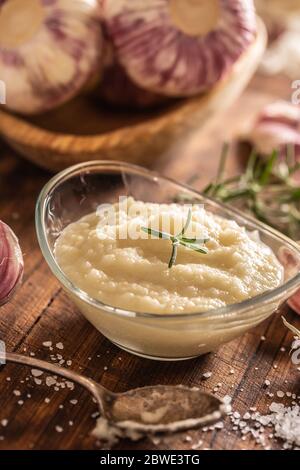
(40, 311)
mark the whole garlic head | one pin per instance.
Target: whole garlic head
(49, 49)
(175, 47)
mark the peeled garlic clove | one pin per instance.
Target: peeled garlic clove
(49, 49)
(117, 89)
(11, 263)
(175, 47)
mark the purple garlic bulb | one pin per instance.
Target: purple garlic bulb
(11, 263)
(175, 47)
(49, 49)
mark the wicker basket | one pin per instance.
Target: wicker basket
(81, 131)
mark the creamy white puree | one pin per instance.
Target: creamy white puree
(133, 273)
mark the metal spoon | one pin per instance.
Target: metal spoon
(153, 409)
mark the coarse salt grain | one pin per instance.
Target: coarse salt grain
(207, 375)
(58, 429)
(50, 381)
(17, 393)
(70, 385)
(4, 422)
(36, 372)
(59, 346)
(47, 344)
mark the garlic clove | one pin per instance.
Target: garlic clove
(11, 263)
(179, 48)
(281, 112)
(275, 127)
(49, 49)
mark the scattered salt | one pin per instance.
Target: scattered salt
(59, 346)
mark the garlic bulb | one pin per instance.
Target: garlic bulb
(11, 263)
(176, 47)
(49, 49)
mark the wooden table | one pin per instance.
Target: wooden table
(41, 312)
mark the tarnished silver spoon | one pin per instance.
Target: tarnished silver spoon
(153, 409)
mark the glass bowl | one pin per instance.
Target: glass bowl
(80, 189)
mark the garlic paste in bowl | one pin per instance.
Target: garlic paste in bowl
(93, 223)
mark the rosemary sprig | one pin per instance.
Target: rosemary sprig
(179, 239)
(266, 189)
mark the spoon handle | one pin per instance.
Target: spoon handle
(93, 387)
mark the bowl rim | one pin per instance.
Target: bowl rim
(228, 310)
